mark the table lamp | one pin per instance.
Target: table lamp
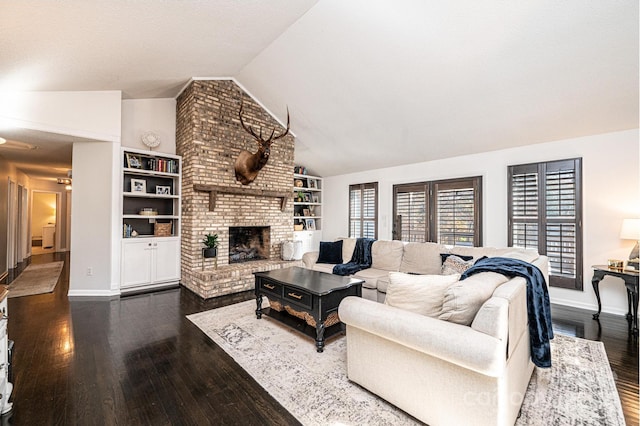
(631, 231)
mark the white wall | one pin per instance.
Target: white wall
(93, 115)
(149, 115)
(611, 192)
(94, 238)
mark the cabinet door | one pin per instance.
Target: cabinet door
(167, 259)
(136, 262)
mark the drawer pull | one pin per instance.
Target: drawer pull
(295, 296)
(269, 286)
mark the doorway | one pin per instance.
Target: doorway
(44, 220)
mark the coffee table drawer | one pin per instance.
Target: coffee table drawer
(298, 297)
(271, 287)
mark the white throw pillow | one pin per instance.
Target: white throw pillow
(463, 300)
(422, 294)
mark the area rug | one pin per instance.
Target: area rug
(36, 279)
(313, 387)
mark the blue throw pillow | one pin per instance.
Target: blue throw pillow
(330, 252)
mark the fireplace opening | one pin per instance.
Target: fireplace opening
(247, 243)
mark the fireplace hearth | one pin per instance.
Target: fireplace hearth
(248, 243)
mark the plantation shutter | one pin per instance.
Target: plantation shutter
(524, 207)
(457, 205)
(363, 207)
(545, 214)
(410, 212)
(445, 211)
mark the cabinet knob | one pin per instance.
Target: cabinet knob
(149, 244)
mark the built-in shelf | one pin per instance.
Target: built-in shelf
(151, 181)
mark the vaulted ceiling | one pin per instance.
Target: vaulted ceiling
(369, 83)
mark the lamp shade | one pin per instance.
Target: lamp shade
(630, 229)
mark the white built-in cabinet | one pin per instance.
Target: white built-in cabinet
(307, 211)
(151, 213)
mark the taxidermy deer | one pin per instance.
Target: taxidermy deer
(249, 164)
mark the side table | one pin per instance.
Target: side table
(631, 283)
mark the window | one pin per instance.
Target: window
(363, 208)
(446, 211)
(545, 213)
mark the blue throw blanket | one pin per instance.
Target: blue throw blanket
(361, 258)
(538, 307)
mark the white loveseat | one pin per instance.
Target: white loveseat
(443, 372)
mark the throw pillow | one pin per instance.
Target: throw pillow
(444, 256)
(463, 300)
(330, 252)
(422, 294)
(455, 264)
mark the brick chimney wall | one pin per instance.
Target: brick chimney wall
(209, 138)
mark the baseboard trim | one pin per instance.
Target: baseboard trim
(94, 293)
(586, 306)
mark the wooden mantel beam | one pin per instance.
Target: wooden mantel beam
(216, 189)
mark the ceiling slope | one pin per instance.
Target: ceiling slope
(373, 84)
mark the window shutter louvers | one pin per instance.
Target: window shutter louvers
(545, 214)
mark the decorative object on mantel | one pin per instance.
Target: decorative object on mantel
(631, 231)
(150, 140)
(249, 164)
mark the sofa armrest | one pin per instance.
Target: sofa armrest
(310, 258)
(515, 292)
(454, 343)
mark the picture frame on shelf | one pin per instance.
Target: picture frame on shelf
(311, 183)
(315, 199)
(306, 212)
(133, 161)
(139, 185)
(307, 197)
(311, 224)
(163, 190)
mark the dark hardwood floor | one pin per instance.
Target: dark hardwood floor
(137, 360)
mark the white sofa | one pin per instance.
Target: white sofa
(442, 372)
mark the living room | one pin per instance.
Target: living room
(555, 83)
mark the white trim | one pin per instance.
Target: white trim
(587, 306)
(30, 125)
(93, 293)
(244, 89)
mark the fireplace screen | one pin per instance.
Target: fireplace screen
(247, 243)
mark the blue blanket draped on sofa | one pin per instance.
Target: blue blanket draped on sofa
(361, 258)
(538, 306)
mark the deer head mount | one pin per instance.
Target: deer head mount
(249, 164)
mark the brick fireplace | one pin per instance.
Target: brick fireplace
(209, 137)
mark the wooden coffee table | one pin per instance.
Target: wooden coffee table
(306, 300)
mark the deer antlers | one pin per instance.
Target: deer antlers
(249, 164)
(258, 137)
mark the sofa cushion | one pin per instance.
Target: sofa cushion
(348, 246)
(371, 276)
(330, 252)
(463, 299)
(422, 294)
(456, 265)
(422, 258)
(323, 267)
(526, 255)
(387, 255)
